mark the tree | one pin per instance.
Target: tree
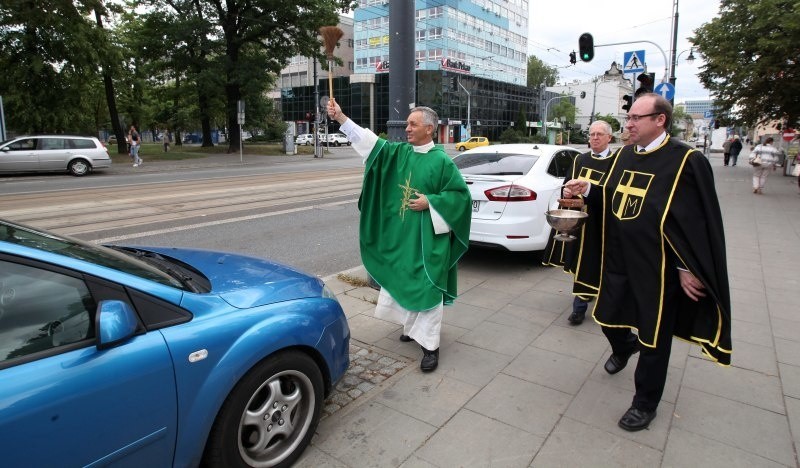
(539, 73)
(563, 108)
(615, 126)
(521, 125)
(49, 65)
(752, 63)
(681, 122)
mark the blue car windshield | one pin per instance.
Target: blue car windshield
(74, 248)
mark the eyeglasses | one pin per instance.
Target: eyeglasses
(635, 118)
(597, 135)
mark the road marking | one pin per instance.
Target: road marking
(216, 223)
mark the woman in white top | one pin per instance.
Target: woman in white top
(769, 156)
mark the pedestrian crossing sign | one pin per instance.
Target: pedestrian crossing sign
(634, 62)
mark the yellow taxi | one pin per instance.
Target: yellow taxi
(473, 142)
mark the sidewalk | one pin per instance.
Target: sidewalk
(518, 386)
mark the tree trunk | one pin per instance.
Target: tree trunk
(122, 144)
(205, 119)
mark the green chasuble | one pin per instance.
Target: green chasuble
(661, 213)
(581, 257)
(399, 248)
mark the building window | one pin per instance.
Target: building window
(435, 33)
(434, 55)
(420, 35)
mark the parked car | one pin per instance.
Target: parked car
(337, 139)
(304, 139)
(77, 155)
(512, 187)
(159, 356)
(473, 142)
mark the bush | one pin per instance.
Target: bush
(512, 136)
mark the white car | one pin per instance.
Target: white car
(78, 155)
(338, 139)
(512, 187)
(304, 139)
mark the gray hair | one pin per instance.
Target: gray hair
(606, 126)
(429, 116)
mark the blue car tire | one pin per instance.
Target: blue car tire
(270, 416)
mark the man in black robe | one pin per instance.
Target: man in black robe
(664, 270)
(581, 257)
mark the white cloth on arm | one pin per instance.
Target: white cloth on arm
(423, 327)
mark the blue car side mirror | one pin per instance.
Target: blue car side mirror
(116, 322)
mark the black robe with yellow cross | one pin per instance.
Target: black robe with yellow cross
(581, 257)
(661, 213)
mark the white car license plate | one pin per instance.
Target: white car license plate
(476, 206)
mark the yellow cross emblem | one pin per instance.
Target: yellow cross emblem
(630, 193)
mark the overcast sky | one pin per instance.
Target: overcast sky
(556, 25)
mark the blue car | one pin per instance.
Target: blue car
(156, 356)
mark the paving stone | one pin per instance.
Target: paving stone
(552, 370)
(793, 409)
(372, 435)
(563, 340)
(790, 379)
(788, 351)
(597, 448)
(430, 397)
(601, 405)
(471, 439)
(499, 338)
(485, 298)
(315, 458)
(687, 449)
(470, 364)
(528, 406)
(751, 429)
(465, 315)
(746, 386)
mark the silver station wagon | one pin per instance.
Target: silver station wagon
(77, 155)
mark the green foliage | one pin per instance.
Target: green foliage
(510, 135)
(521, 124)
(539, 73)
(752, 66)
(615, 125)
(562, 108)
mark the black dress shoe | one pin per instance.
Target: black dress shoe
(576, 318)
(635, 419)
(430, 360)
(617, 362)
(406, 338)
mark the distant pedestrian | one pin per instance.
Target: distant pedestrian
(769, 157)
(166, 142)
(135, 141)
(736, 148)
(726, 151)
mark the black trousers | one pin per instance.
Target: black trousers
(725, 158)
(650, 376)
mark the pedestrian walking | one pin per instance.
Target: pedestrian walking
(726, 150)
(166, 142)
(415, 216)
(581, 257)
(736, 148)
(135, 141)
(764, 159)
(664, 267)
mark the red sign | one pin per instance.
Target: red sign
(789, 134)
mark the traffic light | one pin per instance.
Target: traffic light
(572, 58)
(628, 99)
(586, 47)
(646, 83)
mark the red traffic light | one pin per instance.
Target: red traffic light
(586, 47)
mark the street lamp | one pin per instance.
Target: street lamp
(469, 104)
(545, 113)
(690, 58)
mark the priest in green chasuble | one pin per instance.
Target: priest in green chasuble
(414, 227)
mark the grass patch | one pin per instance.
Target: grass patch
(353, 280)
(155, 151)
